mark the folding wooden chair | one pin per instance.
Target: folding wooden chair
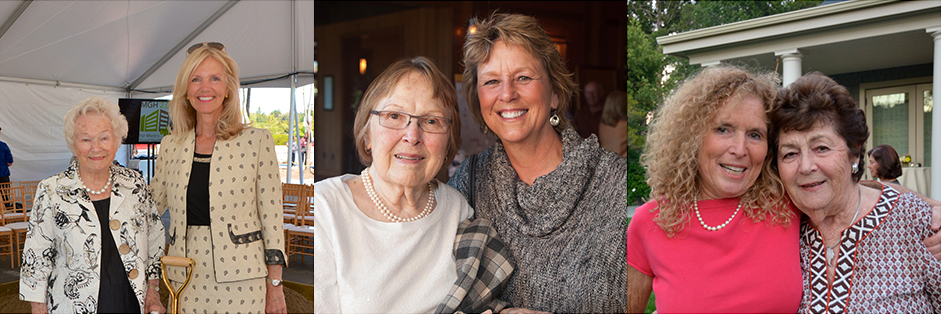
(8, 244)
(299, 237)
(293, 196)
(29, 193)
(12, 209)
(19, 235)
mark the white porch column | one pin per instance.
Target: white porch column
(791, 60)
(935, 180)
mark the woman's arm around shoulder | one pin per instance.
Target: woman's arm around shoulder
(934, 242)
(461, 177)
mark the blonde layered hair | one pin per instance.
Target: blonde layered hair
(182, 114)
(672, 153)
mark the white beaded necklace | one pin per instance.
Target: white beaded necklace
(703, 223)
(103, 189)
(367, 182)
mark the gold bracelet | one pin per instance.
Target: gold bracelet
(156, 287)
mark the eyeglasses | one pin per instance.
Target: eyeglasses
(211, 44)
(400, 120)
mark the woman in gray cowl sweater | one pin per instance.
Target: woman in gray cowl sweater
(557, 200)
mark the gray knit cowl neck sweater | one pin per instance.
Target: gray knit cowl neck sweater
(567, 232)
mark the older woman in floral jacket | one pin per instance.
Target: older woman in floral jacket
(94, 239)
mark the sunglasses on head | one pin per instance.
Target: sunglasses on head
(211, 44)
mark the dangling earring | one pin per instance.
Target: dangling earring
(855, 167)
(484, 129)
(554, 119)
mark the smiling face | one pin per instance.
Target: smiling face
(407, 157)
(734, 149)
(207, 87)
(515, 94)
(815, 167)
(94, 143)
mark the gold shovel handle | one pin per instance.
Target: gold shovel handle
(175, 294)
(176, 261)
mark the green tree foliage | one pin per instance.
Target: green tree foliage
(651, 75)
(645, 66)
(713, 13)
(276, 123)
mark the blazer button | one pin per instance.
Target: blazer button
(124, 249)
(132, 274)
(115, 224)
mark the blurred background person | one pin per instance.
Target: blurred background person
(589, 115)
(884, 164)
(6, 160)
(105, 261)
(612, 131)
(219, 179)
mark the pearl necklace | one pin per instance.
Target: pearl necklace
(703, 223)
(103, 189)
(367, 182)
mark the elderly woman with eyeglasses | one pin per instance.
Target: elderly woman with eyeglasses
(391, 239)
(219, 179)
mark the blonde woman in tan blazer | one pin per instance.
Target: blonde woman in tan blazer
(219, 179)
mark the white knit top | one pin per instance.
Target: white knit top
(366, 266)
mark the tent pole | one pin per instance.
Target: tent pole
(14, 16)
(300, 160)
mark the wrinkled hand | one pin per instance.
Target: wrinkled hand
(519, 310)
(274, 302)
(37, 308)
(934, 242)
(152, 302)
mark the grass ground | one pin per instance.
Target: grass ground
(650, 303)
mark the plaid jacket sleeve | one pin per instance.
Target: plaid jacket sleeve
(484, 265)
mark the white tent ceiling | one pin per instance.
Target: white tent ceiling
(53, 54)
(141, 44)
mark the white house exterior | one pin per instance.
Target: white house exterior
(886, 52)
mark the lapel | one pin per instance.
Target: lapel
(185, 158)
(119, 195)
(71, 191)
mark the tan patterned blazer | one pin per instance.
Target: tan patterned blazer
(244, 200)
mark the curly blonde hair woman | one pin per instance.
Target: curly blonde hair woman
(671, 157)
(707, 159)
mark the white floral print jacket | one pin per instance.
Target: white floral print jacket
(61, 259)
